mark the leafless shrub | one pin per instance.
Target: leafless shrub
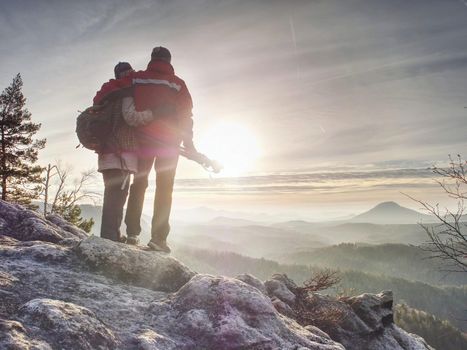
(307, 309)
(323, 279)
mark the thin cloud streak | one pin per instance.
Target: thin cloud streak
(324, 182)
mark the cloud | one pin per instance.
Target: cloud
(406, 69)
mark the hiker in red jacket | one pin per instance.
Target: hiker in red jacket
(159, 90)
(117, 156)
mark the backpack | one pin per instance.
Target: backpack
(95, 125)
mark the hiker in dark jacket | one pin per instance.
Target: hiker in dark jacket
(158, 89)
(117, 158)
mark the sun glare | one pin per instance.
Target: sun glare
(233, 145)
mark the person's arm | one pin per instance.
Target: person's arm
(114, 88)
(104, 92)
(186, 127)
(184, 114)
(133, 117)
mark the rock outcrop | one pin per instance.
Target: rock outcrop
(60, 289)
(217, 312)
(362, 322)
(28, 225)
(134, 265)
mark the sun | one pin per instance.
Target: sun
(233, 145)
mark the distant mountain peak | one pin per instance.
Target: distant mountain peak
(391, 213)
(391, 207)
(389, 204)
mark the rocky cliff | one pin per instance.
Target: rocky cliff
(60, 289)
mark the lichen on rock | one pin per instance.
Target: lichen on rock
(13, 335)
(67, 325)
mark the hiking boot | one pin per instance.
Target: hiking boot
(132, 240)
(122, 239)
(159, 246)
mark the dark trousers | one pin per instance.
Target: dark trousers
(165, 175)
(114, 200)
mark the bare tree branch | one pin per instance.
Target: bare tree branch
(448, 239)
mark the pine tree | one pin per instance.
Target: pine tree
(72, 214)
(20, 178)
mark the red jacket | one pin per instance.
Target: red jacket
(111, 88)
(160, 90)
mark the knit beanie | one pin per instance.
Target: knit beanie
(120, 68)
(161, 53)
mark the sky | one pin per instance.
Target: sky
(342, 104)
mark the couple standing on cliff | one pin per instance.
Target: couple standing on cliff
(152, 113)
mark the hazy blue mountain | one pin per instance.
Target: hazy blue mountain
(252, 240)
(267, 240)
(227, 221)
(396, 260)
(205, 214)
(377, 234)
(336, 233)
(301, 225)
